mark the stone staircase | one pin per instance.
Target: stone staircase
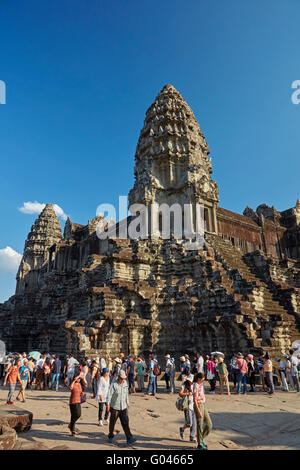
(257, 300)
(281, 292)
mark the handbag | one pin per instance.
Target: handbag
(210, 375)
(83, 398)
(182, 403)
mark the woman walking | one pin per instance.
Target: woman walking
(201, 412)
(11, 377)
(190, 421)
(102, 392)
(223, 376)
(75, 402)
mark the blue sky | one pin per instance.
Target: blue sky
(81, 74)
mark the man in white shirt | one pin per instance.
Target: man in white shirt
(41, 361)
(200, 363)
(281, 368)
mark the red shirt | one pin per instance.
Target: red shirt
(13, 375)
(242, 365)
(76, 394)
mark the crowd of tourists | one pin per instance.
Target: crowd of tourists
(111, 382)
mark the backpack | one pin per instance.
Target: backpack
(182, 403)
(156, 369)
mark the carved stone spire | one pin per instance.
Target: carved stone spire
(172, 155)
(44, 233)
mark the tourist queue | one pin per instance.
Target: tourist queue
(112, 381)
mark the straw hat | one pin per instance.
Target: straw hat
(122, 374)
(182, 358)
(167, 356)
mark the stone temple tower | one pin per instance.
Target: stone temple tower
(171, 159)
(45, 232)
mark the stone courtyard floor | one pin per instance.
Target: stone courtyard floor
(254, 421)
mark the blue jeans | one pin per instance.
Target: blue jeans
(172, 383)
(151, 385)
(70, 377)
(131, 381)
(242, 379)
(55, 377)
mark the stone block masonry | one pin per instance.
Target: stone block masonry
(240, 292)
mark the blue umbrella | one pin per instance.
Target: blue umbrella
(35, 355)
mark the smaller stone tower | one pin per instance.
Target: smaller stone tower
(45, 232)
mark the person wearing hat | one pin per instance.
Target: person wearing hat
(184, 368)
(117, 404)
(102, 392)
(167, 372)
(223, 376)
(116, 368)
(188, 363)
(190, 421)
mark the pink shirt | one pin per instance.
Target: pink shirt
(242, 365)
(198, 393)
(211, 366)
